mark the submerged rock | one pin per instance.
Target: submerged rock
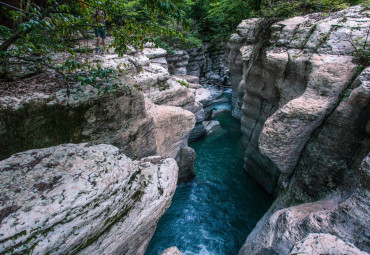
(82, 199)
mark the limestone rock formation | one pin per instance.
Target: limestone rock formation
(172, 251)
(204, 97)
(177, 62)
(185, 160)
(345, 218)
(118, 118)
(206, 62)
(172, 128)
(294, 73)
(82, 199)
(325, 244)
(245, 34)
(212, 127)
(306, 114)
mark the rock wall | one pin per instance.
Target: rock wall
(245, 35)
(207, 63)
(121, 118)
(82, 199)
(91, 198)
(305, 121)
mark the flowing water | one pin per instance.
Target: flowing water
(215, 212)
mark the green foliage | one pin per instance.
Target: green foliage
(46, 27)
(35, 35)
(290, 8)
(183, 83)
(361, 48)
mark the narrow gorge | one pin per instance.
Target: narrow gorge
(257, 145)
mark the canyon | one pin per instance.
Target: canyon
(90, 172)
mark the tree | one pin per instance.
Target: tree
(32, 32)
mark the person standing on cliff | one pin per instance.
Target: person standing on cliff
(99, 19)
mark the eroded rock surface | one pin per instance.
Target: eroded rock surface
(305, 124)
(172, 251)
(82, 199)
(294, 74)
(344, 218)
(325, 244)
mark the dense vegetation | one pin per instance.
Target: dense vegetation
(33, 29)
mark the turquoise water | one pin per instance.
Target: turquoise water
(215, 212)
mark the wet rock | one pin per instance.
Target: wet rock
(215, 92)
(220, 100)
(215, 113)
(186, 159)
(198, 131)
(82, 199)
(172, 251)
(212, 127)
(204, 97)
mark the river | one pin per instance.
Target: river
(214, 212)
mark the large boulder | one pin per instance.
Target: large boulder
(172, 128)
(82, 199)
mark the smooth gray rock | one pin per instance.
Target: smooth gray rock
(212, 127)
(82, 199)
(198, 131)
(186, 159)
(172, 251)
(325, 244)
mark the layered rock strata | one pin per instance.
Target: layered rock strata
(245, 35)
(306, 129)
(206, 62)
(293, 77)
(82, 199)
(121, 118)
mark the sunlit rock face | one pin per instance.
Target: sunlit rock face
(294, 75)
(119, 117)
(82, 199)
(305, 121)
